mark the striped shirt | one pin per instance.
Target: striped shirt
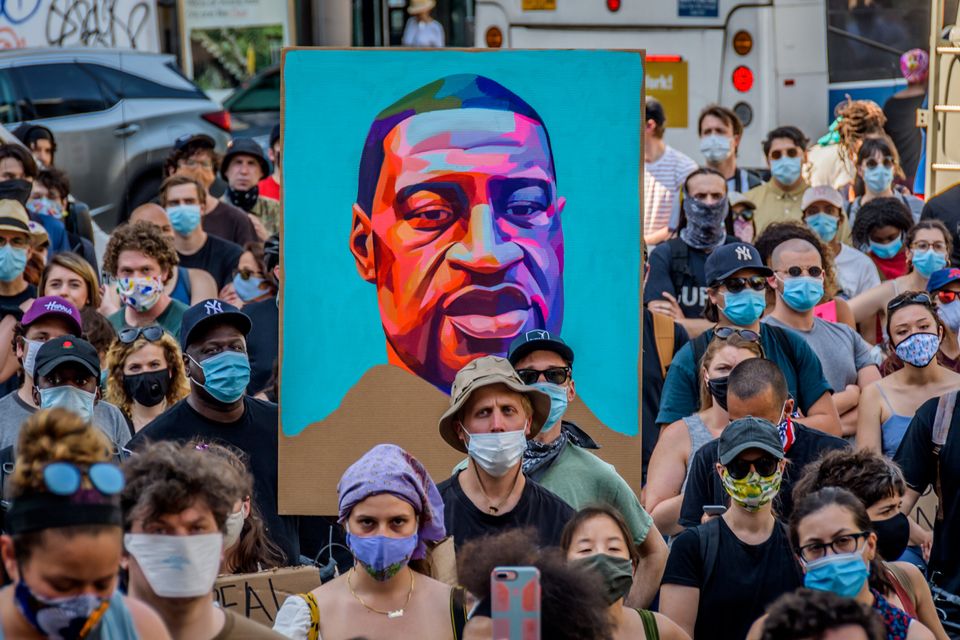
(662, 181)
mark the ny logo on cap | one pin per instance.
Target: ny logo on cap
(743, 253)
(537, 334)
(212, 307)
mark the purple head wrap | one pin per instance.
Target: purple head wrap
(914, 65)
(389, 469)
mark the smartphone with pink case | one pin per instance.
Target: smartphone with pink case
(515, 603)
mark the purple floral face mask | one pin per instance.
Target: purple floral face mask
(919, 349)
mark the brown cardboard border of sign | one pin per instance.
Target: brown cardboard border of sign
(307, 481)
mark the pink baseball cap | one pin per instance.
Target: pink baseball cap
(822, 193)
(54, 306)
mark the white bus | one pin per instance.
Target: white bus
(774, 62)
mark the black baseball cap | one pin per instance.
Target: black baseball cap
(244, 147)
(748, 433)
(57, 351)
(271, 252)
(538, 340)
(730, 258)
(275, 134)
(200, 139)
(210, 312)
(655, 111)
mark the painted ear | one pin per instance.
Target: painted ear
(361, 244)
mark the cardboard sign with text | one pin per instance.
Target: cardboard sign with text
(260, 595)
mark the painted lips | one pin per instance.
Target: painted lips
(498, 312)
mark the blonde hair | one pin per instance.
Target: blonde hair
(77, 264)
(117, 358)
(735, 341)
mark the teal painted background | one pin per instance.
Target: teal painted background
(590, 103)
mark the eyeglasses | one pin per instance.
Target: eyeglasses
(739, 469)
(736, 285)
(553, 375)
(903, 301)
(887, 162)
(725, 332)
(246, 274)
(15, 242)
(65, 478)
(792, 152)
(193, 164)
(946, 297)
(796, 272)
(152, 333)
(846, 543)
(923, 245)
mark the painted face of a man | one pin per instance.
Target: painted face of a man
(464, 240)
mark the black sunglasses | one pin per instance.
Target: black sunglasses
(915, 298)
(739, 468)
(152, 333)
(725, 332)
(796, 272)
(553, 375)
(736, 285)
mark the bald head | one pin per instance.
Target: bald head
(154, 214)
(785, 252)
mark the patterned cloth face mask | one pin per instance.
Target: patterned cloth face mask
(753, 491)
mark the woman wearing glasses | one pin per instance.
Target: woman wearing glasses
(887, 406)
(878, 164)
(678, 442)
(145, 374)
(66, 538)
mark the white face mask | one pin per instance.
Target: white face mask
(234, 527)
(30, 357)
(177, 566)
(497, 453)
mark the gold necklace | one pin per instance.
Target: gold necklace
(496, 508)
(390, 614)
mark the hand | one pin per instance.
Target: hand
(925, 549)
(668, 307)
(228, 294)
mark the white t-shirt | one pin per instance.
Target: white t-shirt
(422, 34)
(662, 181)
(855, 271)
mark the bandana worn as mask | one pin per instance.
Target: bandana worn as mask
(893, 536)
(497, 453)
(380, 556)
(718, 389)
(244, 199)
(617, 574)
(140, 294)
(753, 491)
(177, 566)
(841, 573)
(918, 349)
(148, 389)
(704, 228)
(558, 403)
(69, 618)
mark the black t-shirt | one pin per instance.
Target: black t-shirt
(263, 342)
(915, 456)
(692, 292)
(946, 208)
(217, 257)
(902, 128)
(255, 433)
(653, 383)
(744, 579)
(11, 304)
(537, 508)
(704, 487)
(230, 223)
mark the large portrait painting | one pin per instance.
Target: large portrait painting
(437, 205)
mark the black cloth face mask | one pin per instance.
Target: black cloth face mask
(149, 389)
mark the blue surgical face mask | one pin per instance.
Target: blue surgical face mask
(227, 375)
(248, 289)
(71, 398)
(802, 293)
(12, 262)
(381, 556)
(744, 308)
(878, 179)
(926, 262)
(824, 225)
(841, 573)
(886, 250)
(558, 403)
(786, 170)
(184, 218)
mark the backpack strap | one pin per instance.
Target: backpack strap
(709, 547)
(941, 429)
(313, 633)
(663, 335)
(680, 270)
(650, 629)
(458, 611)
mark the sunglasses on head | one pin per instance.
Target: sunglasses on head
(946, 297)
(725, 332)
(736, 285)
(916, 298)
(553, 375)
(152, 333)
(765, 465)
(66, 478)
(792, 152)
(873, 164)
(796, 272)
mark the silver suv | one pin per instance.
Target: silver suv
(115, 115)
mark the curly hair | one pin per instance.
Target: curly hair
(73, 262)
(172, 161)
(55, 180)
(168, 478)
(571, 598)
(254, 551)
(807, 614)
(117, 356)
(858, 119)
(880, 212)
(145, 238)
(777, 233)
(868, 475)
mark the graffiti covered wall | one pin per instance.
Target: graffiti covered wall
(123, 24)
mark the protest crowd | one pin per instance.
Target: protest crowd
(801, 366)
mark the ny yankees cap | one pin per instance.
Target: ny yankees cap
(208, 312)
(730, 258)
(538, 340)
